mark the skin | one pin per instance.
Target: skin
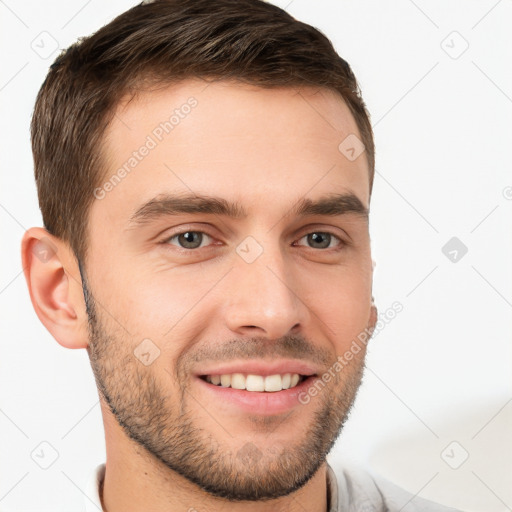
(169, 445)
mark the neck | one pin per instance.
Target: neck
(127, 493)
(136, 481)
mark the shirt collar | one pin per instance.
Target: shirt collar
(332, 490)
(92, 493)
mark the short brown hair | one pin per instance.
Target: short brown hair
(166, 41)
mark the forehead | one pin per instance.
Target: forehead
(263, 147)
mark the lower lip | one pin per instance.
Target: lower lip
(258, 402)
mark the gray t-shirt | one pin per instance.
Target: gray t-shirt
(348, 490)
(357, 490)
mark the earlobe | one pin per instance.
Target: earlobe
(55, 293)
(372, 321)
(373, 316)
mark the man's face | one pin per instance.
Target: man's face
(177, 296)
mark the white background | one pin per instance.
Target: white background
(440, 372)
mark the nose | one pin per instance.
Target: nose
(264, 297)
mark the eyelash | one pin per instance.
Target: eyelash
(342, 243)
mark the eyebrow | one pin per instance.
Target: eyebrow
(164, 205)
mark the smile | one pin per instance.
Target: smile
(250, 382)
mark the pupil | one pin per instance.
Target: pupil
(317, 238)
(191, 238)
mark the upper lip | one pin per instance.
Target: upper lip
(260, 367)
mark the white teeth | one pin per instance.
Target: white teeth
(270, 383)
(273, 383)
(237, 381)
(254, 383)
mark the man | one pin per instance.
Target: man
(204, 172)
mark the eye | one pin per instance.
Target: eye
(188, 239)
(322, 240)
(191, 240)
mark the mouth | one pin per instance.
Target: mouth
(253, 394)
(256, 383)
(257, 386)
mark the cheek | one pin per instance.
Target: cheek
(342, 301)
(161, 305)
(346, 314)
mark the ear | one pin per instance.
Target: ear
(372, 321)
(55, 287)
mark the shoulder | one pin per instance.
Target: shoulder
(361, 490)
